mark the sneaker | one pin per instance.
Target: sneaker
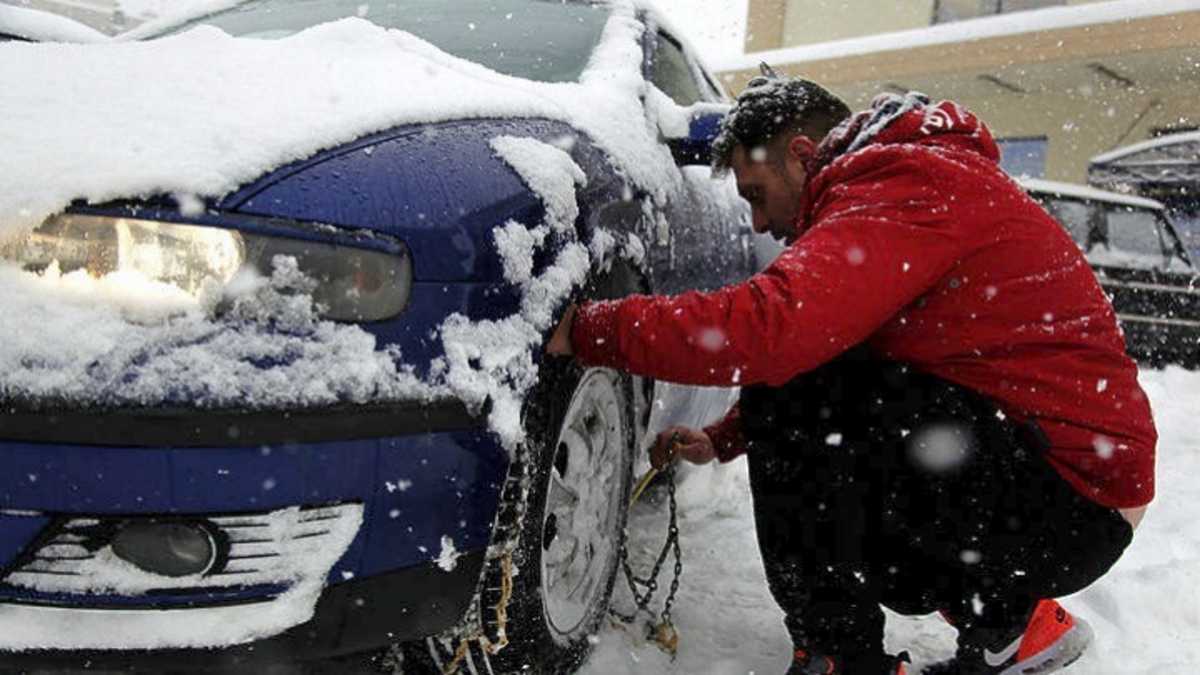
(1051, 640)
(810, 663)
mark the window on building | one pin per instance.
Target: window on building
(945, 11)
(1024, 156)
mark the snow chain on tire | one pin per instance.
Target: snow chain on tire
(664, 632)
(514, 501)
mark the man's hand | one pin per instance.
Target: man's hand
(694, 446)
(560, 342)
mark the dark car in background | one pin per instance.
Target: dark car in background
(1140, 262)
(166, 525)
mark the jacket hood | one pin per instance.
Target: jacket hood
(912, 118)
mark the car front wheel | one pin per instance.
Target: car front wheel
(580, 440)
(581, 427)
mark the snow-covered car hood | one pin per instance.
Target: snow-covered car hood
(212, 112)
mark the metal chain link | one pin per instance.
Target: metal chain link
(642, 600)
(514, 503)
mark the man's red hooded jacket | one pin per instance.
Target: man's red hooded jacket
(915, 242)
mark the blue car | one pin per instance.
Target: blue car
(187, 535)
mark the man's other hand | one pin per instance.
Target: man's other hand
(560, 342)
(694, 446)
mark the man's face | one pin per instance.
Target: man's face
(772, 180)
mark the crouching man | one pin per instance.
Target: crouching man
(936, 404)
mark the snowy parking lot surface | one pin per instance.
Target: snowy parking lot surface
(1146, 611)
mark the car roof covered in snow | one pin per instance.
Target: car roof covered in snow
(1162, 141)
(1086, 192)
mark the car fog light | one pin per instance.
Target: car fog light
(169, 549)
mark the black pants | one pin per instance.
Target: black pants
(875, 484)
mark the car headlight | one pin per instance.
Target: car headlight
(353, 284)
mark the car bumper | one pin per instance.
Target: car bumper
(414, 478)
(350, 617)
(191, 428)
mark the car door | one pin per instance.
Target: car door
(700, 242)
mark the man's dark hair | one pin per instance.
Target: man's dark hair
(771, 105)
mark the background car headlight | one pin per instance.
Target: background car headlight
(353, 283)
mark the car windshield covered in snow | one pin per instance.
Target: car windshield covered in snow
(533, 39)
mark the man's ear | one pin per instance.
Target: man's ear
(801, 148)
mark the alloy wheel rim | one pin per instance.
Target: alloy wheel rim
(582, 505)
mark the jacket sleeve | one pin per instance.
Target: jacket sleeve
(877, 244)
(726, 436)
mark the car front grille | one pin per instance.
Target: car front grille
(278, 548)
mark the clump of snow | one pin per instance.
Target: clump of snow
(447, 559)
(517, 244)
(549, 171)
(602, 246)
(402, 485)
(634, 250)
(493, 360)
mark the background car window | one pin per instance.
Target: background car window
(1178, 258)
(1076, 216)
(1134, 231)
(672, 73)
(547, 41)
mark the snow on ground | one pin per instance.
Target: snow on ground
(1146, 611)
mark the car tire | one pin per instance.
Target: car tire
(538, 640)
(546, 634)
(581, 431)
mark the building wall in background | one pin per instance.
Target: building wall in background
(791, 23)
(1086, 89)
(812, 21)
(765, 20)
(1082, 123)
